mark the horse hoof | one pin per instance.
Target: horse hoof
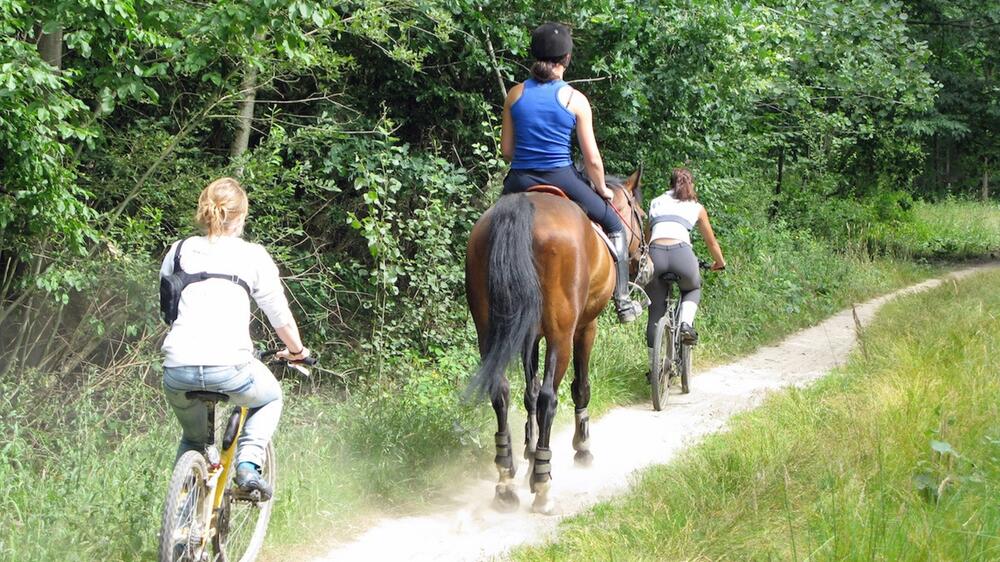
(506, 500)
(543, 505)
(583, 458)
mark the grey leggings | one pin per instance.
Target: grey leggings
(680, 260)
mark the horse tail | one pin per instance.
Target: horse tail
(515, 295)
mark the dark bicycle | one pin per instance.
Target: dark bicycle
(671, 356)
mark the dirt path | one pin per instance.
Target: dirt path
(624, 440)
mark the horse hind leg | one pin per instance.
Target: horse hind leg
(531, 388)
(506, 497)
(556, 361)
(582, 344)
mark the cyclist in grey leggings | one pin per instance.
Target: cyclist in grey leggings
(672, 217)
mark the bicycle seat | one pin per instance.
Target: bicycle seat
(206, 396)
(670, 277)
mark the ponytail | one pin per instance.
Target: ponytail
(682, 183)
(222, 208)
(545, 70)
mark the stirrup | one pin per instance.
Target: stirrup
(644, 302)
(628, 313)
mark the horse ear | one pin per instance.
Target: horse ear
(635, 182)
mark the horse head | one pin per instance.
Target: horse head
(628, 202)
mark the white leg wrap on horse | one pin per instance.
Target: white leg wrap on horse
(688, 310)
(581, 437)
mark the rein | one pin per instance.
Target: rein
(644, 270)
(643, 245)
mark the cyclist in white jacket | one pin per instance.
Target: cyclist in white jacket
(209, 347)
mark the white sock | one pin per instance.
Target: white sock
(688, 310)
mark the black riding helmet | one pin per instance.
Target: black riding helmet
(551, 42)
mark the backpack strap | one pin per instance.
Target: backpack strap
(234, 278)
(177, 257)
(195, 277)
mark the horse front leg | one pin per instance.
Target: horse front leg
(556, 360)
(582, 344)
(506, 497)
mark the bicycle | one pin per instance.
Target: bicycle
(205, 511)
(671, 357)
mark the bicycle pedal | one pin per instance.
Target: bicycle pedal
(252, 496)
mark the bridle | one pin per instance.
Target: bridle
(638, 214)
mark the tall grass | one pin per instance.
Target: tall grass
(947, 230)
(82, 471)
(894, 457)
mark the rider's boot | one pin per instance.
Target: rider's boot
(249, 480)
(628, 309)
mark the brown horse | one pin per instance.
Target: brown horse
(536, 269)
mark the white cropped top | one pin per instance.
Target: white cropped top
(674, 219)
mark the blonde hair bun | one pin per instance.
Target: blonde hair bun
(222, 208)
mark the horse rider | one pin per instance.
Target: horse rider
(539, 115)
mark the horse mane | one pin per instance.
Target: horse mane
(614, 182)
(611, 180)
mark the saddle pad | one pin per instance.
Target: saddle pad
(553, 190)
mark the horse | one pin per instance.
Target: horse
(535, 268)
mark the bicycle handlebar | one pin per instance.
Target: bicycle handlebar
(707, 265)
(263, 354)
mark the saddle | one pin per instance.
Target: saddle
(553, 190)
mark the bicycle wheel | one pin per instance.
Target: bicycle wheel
(183, 529)
(242, 524)
(659, 372)
(685, 364)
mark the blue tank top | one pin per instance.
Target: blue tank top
(542, 127)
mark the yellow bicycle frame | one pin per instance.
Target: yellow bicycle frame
(226, 460)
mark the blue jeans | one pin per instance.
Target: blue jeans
(251, 385)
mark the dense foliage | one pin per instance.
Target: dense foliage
(366, 134)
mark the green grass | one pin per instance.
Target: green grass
(894, 457)
(946, 230)
(82, 469)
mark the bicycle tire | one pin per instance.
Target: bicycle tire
(187, 495)
(659, 371)
(242, 525)
(685, 367)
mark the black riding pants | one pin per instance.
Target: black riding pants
(680, 260)
(576, 187)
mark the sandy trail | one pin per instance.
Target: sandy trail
(623, 441)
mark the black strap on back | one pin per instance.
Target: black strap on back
(189, 278)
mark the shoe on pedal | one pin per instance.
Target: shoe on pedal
(251, 483)
(688, 335)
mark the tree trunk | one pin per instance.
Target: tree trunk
(986, 180)
(245, 119)
(50, 47)
(777, 184)
(496, 67)
(947, 165)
